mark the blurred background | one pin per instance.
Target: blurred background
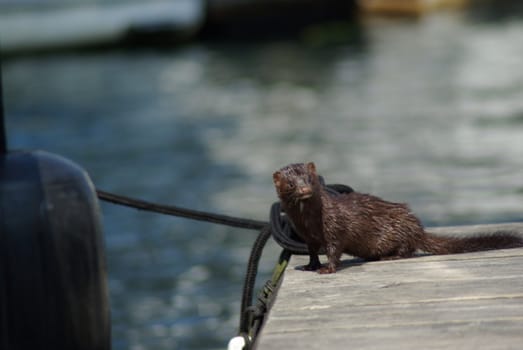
(197, 103)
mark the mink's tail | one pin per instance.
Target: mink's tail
(437, 244)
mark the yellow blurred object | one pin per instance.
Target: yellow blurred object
(407, 7)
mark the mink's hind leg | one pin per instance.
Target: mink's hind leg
(314, 261)
(313, 265)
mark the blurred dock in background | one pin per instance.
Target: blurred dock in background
(43, 27)
(34, 27)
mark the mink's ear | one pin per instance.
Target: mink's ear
(276, 177)
(311, 168)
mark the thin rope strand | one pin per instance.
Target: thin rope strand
(181, 212)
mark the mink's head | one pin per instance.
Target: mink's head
(296, 182)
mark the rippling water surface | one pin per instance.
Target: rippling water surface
(428, 112)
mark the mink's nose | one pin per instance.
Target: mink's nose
(305, 192)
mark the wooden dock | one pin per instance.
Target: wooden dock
(463, 301)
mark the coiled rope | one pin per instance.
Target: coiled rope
(279, 227)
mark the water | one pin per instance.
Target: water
(428, 112)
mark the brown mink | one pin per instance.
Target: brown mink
(363, 225)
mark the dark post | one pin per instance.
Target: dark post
(3, 139)
(53, 278)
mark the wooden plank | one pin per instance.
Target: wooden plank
(463, 301)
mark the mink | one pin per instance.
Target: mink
(363, 225)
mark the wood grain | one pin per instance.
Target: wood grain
(462, 301)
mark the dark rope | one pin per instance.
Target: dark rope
(182, 212)
(266, 297)
(283, 231)
(250, 277)
(280, 228)
(284, 234)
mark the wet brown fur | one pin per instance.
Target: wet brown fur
(363, 225)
